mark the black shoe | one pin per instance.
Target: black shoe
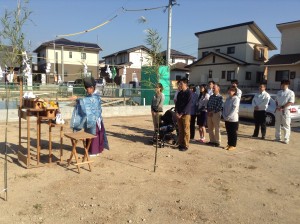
(217, 144)
(210, 143)
(254, 136)
(183, 149)
(263, 138)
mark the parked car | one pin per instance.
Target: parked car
(78, 87)
(246, 110)
(70, 85)
(100, 84)
(78, 82)
(66, 87)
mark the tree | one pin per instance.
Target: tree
(153, 40)
(12, 36)
(155, 59)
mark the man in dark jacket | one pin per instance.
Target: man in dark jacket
(183, 114)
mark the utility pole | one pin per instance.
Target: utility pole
(54, 64)
(171, 3)
(62, 65)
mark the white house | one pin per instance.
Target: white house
(232, 52)
(179, 61)
(286, 65)
(177, 56)
(132, 58)
(68, 58)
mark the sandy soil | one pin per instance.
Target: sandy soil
(257, 183)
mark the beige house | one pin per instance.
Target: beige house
(286, 65)
(68, 58)
(232, 52)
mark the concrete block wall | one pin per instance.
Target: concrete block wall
(119, 111)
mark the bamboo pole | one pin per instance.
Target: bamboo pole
(5, 163)
(156, 146)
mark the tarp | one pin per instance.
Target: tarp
(150, 78)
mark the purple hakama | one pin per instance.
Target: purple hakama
(98, 143)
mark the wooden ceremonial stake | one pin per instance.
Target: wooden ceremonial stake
(20, 108)
(156, 146)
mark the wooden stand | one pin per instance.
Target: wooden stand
(46, 120)
(86, 138)
(27, 113)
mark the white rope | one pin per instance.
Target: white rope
(108, 21)
(89, 30)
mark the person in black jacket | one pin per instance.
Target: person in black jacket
(183, 114)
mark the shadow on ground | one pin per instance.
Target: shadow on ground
(140, 135)
(13, 149)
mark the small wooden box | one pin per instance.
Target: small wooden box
(26, 102)
(30, 104)
(33, 104)
(49, 113)
(37, 104)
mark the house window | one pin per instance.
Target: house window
(223, 75)
(210, 74)
(56, 56)
(83, 55)
(66, 73)
(259, 53)
(178, 77)
(247, 99)
(187, 61)
(259, 77)
(230, 50)
(248, 76)
(214, 59)
(173, 60)
(292, 75)
(204, 53)
(70, 54)
(230, 75)
(282, 75)
(218, 50)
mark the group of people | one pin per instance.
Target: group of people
(208, 106)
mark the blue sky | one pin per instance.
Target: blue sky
(54, 17)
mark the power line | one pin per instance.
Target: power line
(146, 9)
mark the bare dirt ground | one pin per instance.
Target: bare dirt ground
(257, 183)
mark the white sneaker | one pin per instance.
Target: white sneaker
(93, 155)
(286, 141)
